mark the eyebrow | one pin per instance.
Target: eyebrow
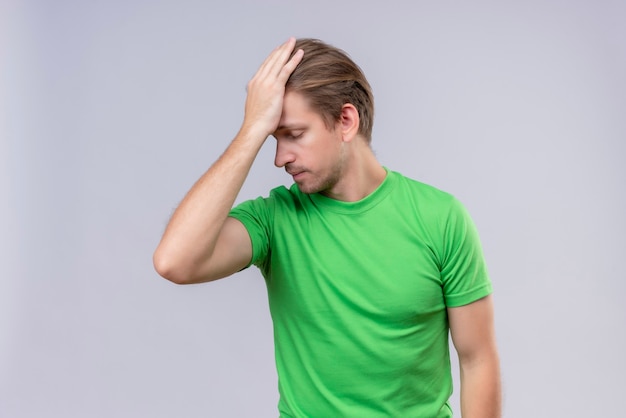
(290, 127)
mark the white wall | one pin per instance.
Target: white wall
(111, 109)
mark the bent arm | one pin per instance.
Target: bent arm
(200, 242)
(473, 335)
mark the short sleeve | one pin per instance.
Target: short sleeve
(255, 216)
(464, 272)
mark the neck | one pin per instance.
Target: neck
(361, 175)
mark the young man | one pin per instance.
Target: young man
(367, 271)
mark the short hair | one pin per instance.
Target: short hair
(329, 78)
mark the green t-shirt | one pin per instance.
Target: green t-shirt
(358, 294)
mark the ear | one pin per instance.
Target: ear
(349, 122)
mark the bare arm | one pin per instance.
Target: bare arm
(200, 242)
(473, 334)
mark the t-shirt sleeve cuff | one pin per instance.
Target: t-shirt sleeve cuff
(465, 298)
(244, 221)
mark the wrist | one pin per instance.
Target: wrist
(251, 132)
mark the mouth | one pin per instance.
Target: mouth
(296, 174)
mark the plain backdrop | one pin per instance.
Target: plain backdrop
(110, 110)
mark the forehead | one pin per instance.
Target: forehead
(296, 111)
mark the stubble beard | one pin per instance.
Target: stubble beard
(327, 180)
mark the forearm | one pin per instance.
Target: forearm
(198, 228)
(480, 387)
(191, 234)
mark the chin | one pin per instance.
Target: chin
(317, 183)
(315, 188)
(308, 190)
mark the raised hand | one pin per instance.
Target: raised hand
(200, 242)
(264, 104)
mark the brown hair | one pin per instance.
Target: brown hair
(329, 78)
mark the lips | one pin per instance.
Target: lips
(294, 172)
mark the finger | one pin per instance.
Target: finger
(290, 66)
(277, 59)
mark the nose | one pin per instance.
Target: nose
(284, 155)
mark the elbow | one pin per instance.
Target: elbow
(167, 268)
(181, 270)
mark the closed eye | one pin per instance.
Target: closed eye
(290, 131)
(290, 135)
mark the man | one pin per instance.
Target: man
(366, 270)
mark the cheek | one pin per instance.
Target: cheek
(335, 149)
(322, 151)
(327, 154)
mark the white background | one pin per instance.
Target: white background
(110, 110)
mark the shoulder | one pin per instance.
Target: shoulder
(436, 210)
(421, 193)
(287, 197)
(285, 193)
(278, 198)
